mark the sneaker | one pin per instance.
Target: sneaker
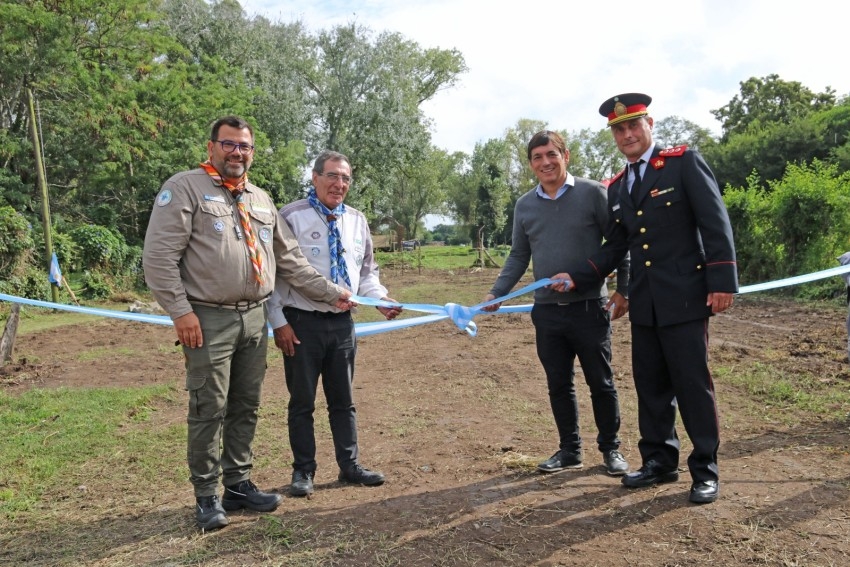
(615, 463)
(359, 475)
(561, 461)
(209, 513)
(302, 483)
(247, 495)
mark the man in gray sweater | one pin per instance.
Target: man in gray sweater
(558, 224)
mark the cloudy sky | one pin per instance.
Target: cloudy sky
(556, 61)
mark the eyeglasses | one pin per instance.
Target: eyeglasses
(229, 146)
(334, 177)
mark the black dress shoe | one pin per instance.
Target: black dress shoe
(359, 475)
(650, 473)
(302, 483)
(560, 461)
(246, 495)
(704, 492)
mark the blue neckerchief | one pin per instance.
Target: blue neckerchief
(338, 266)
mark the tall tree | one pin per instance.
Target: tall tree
(770, 99)
(365, 95)
(673, 131)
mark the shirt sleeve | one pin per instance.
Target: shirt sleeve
(166, 239)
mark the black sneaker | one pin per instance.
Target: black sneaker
(247, 495)
(561, 461)
(302, 483)
(615, 463)
(359, 475)
(209, 513)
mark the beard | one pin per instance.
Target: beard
(232, 169)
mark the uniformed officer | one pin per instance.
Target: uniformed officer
(212, 250)
(666, 209)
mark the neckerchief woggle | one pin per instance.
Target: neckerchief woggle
(460, 315)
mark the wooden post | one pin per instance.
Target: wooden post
(45, 200)
(7, 343)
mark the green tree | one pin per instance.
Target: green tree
(365, 95)
(490, 162)
(767, 100)
(594, 154)
(673, 131)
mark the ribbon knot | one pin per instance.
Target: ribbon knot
(462, 316)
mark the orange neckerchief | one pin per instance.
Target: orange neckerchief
(244, 218)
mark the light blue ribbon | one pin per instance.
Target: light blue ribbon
(795, 280)
(459, 315)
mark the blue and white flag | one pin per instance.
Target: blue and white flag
(55, 274)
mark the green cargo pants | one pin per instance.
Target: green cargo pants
(224, 379)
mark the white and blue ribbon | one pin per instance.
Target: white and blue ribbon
(460, 315)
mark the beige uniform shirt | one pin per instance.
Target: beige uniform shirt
(195, 250)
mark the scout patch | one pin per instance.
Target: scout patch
(215, 198)
(164, 197)
(265, 234)
(218, 226)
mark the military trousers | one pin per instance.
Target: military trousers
(224, 379)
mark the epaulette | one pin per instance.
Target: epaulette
(675, 151)
(608, 182)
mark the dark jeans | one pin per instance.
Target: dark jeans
(581, 329)
(327, 349)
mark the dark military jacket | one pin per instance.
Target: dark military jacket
(678, 233)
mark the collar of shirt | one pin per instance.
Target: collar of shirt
(645, 157)
(570, 182)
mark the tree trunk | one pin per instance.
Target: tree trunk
(7, 343)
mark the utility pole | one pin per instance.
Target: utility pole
(45, 200)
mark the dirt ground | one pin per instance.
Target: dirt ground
(458, 424)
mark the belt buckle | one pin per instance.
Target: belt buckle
(243, 305)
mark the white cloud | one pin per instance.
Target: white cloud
(557, 61)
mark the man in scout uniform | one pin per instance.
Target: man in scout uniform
(213, 248)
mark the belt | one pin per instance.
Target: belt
(244, 305)
(577, 302)
(320, 314)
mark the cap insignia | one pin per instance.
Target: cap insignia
(619, 109)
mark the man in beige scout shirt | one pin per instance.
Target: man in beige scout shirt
(212, 250)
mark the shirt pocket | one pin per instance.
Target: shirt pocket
(263, 225)
(216, 219)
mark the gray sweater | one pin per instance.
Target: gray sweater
(555, 235)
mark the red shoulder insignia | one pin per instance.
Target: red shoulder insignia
(608, 182)
(674, 151)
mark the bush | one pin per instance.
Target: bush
(100, 248)
(16, 244)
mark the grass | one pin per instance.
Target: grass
(58, 444)
(795, 394)
(431, 258)
(50, 435)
